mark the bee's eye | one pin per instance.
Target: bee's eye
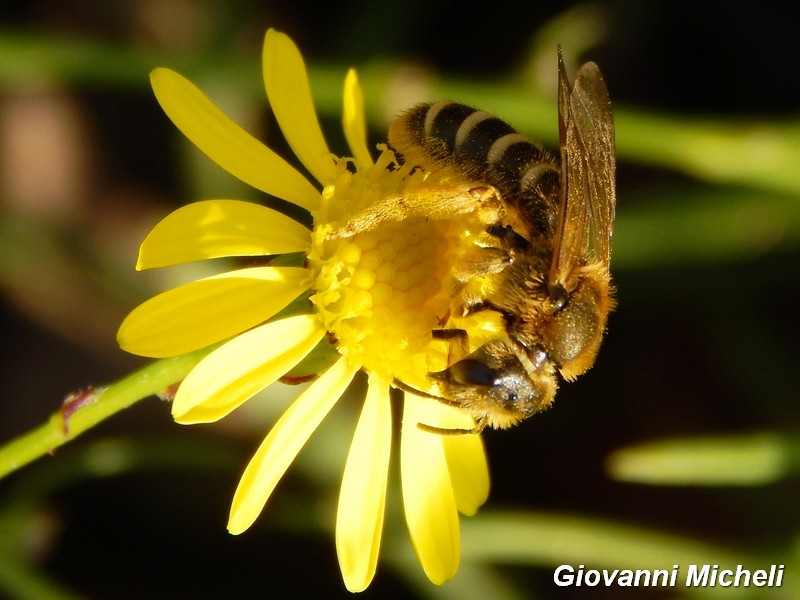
(472, 372)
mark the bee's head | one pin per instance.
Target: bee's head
(497, 386)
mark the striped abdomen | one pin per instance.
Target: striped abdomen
(486, 149)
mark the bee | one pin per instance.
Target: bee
(545, 268)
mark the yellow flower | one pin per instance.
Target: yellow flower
(374, 298)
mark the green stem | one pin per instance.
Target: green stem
(68, 423)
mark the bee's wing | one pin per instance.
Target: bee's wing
(588, 197)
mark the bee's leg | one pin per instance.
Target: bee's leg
(449, 335)
(481, 261)
(472, 307)
(435, 203)
(430, 428)
(444, 431)
(479, 425)
(412, 390)
(476, 306)
(509, 239)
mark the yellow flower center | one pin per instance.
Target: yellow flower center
(382, 290)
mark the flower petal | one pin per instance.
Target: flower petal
(206, 311)
(362, 499)
(353, 122)
(227, 144)
(466, 459)
(215, 228)
(289, 94)
(469, 472)
(283, 443)
(245, 365)
(430, 505)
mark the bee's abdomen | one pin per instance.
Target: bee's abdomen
(483, 148)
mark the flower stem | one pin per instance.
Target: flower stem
(85, 410)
